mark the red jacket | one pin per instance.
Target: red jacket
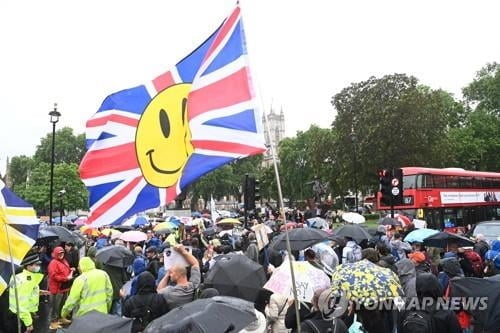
(58, 270)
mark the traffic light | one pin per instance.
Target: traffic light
(385, 187)
(256, 190)
(249, 192)
(397, 187)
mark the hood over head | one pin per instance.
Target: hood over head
(451, 267)
(146, 283)
(427, 285)
(56, 251)
(92, 251)
(406, 268)
(139, 265)
(495, 245)
(86, 264)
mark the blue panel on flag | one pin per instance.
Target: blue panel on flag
(5, 270)
(105, 135)
(244, 121)
(12, 200)
(188, 66)
(98, 191)
(147, 198)
(30, 230)
(198, 165)
(132, 100)
(230, 52)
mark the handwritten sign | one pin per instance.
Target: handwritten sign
(261, 235)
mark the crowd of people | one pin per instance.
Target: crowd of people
(75, 282)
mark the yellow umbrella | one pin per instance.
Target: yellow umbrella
(89, 231)
(110, 232)
(165, 225)
(229, 221)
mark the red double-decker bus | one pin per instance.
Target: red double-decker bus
(449, 198)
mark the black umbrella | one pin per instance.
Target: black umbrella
(123, 228)
(442, 239)
(219, 314)
(115, 255)
(486, 293)
(353, 231)
(300, 239)
(388, 221)
(97, 322)
(64, 234)
(236, 275)
(45, 236)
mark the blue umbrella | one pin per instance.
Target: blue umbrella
(419, 235)
(175, 220)
(140, 221)
(196, 214)
(71, 217)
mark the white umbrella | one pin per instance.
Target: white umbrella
(133, 236)
(354, 218)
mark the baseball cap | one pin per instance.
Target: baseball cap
(417, 256)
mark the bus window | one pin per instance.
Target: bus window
(439, 181)
(424, 181)
(465, 182)
(409, 182)
(452, 182)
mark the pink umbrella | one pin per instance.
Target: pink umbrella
(82, 220)
(133, 236)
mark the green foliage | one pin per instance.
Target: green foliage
(19, 169)
(68, 148)
(36, 190)
(396, 122)
(484, 90)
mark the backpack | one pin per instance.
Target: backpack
(354, 255)
(475, 261)
(395, 254)
(417, 321)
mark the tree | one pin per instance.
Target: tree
(68, 148)
(484, 91)
(396, 122)
(19, 169)
(36, 190)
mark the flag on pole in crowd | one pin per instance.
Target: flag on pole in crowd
(19, 228)
(147, 143)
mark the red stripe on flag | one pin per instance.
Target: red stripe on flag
(223, 31)
(106, 161)
(114, 199)
(230, 147)
(163, 81)
(230, 90)
(112, 117)
(171, 193)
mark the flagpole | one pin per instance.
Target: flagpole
(13, 276)
(282, 214)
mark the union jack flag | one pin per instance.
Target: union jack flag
(222, 117)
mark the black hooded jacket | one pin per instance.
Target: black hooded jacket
(443, 321)
(146, 305)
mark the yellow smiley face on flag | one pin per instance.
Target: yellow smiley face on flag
(163, 139)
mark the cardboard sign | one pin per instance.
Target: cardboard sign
(172, 258)
(261, 235)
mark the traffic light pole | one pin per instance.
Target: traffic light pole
(392, 199)
(245, 190)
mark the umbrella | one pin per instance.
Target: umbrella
(405, 220)
(236, 275)
(219, 314)
(116, 256)
(89, 231)
(133, 236)
(111, 233)
(300, 239)
(487, 292)
(289, 225)
(308, 279)
(123, 228)
(365, 283)
(80, 221)
(229, 220)
(418, 235)
(441, 239)
(317, 222)
(64, 234)
(354, 218)
(165, 225)
(97, 322)
(46, 236)
(196, 214)
(353, 231)
(388, 221)
(71, 217)
(136, 221)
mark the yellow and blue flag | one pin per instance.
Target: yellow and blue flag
(18, 222)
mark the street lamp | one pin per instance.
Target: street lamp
(61, 207)
(354, 162)
(54, 118)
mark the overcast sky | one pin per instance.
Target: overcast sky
(76, 53)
